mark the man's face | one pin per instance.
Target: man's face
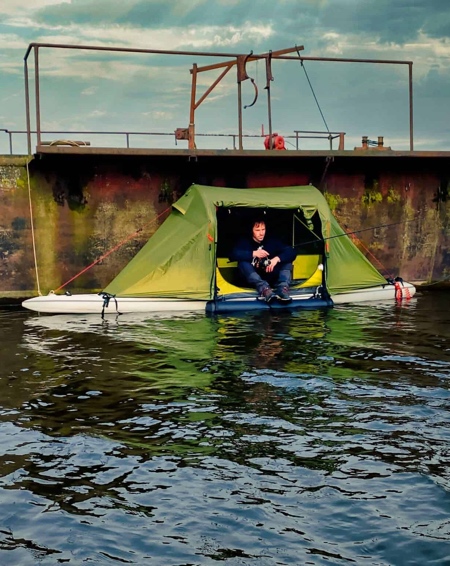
(259, 231)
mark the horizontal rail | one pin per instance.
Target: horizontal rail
(298, 134)
(128, 50)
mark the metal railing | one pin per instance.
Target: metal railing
(66, 137)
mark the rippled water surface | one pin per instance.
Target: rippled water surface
(316, 437)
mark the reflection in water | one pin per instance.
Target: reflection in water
(316, 437)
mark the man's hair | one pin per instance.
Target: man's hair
(258, 220)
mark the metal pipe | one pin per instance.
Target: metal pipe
(249, 58)
(212, 87)
(191, 129)
(345, 60)
(269, 102)
(38, 102)
(269, 112)
(10, 138)
(240, 114)
(317, 132)
(27, 107)
(411, 109)
(129, 50)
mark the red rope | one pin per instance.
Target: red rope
(110, 251)
(353, 237)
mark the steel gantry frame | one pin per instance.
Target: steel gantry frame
(237, 59)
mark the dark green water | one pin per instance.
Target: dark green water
(315, 437)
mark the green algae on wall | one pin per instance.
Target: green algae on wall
(370, 197)
(15, 245)
(393, 196)
(45, 217)
(10, 177)
(334, 201)
(117, 233)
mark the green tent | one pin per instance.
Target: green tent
(180, 259)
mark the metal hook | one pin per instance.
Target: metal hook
(256, 94)
(269, 76)
(243, 75)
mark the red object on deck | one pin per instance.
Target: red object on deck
(277, 142)
(401, 292)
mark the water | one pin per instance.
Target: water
(315, 437)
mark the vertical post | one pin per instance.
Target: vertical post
(269, 78)
(411, 118)
(27, 107)
(241, 62)
(269, 111)
(240, 114)
(191, 132)
(10, 143)
(36, 86)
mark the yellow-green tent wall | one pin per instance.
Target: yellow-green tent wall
(179, 260)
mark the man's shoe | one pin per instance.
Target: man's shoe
(283, 294)
(268, 294)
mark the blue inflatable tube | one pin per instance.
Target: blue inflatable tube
(221, 306)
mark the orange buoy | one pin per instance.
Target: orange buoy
(401, 292)
(279, 142)
(398, 291)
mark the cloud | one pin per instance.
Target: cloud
(12, 48)
(170, 38)
(376, 27)
(396, 22)
(89, 91)
(10, 97)
(97, 114)
(158, 115)
(10, 8)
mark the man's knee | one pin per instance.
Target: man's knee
(246, 268)
(284, 266)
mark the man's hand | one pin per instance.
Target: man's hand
(272, 264)
(261, 254)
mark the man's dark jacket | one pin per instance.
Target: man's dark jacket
(244, 248)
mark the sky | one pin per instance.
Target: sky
(90, 91)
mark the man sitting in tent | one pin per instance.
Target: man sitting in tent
(265, 261)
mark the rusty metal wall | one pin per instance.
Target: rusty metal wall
(85, 205)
